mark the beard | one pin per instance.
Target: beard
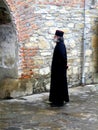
(55, 40)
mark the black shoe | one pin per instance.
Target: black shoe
(66, 101)
(57, 104)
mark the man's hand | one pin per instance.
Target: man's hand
(67, 67)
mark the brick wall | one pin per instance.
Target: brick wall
(24, 16)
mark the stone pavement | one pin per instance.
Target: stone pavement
(34, 113)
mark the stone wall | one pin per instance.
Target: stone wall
(46, 19)
(35, 22)
(91, 42)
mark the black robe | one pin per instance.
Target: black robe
(58, 86)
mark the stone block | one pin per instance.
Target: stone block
(91, 88)
(9, 61)
(44, 71)
(95, 41)
(11, 88)
(43, 43)
(48, 87)
(75, 70)
(71, 25)
(31, 44)
(96, 77)
(88, 52)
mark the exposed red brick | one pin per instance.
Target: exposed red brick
(27, 64)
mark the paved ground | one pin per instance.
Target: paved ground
(33, 113)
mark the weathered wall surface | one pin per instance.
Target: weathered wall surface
(91, 41)
(7, 52)
(35, 23)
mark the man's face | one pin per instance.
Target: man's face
(55, 39)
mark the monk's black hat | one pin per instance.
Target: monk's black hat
(59, 33)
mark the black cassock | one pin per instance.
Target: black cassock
(58, 86)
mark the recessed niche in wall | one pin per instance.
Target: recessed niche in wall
(4, 13)
(8, 43)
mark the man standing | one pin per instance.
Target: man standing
(58, 87)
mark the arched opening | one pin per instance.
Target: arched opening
(8, 40)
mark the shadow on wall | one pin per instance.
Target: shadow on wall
(4, 13)
(4, 16)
